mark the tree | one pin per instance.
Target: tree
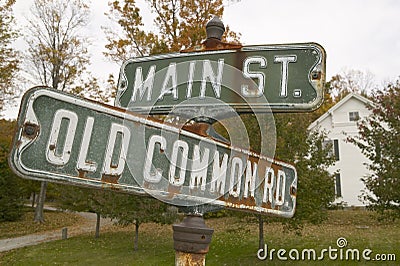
(11, 200)
(351, 81)
(57, 54)
(134, 40)
(8, 56)
(85, 200)
(378, 139)
(128, 209)
(311, 157)
(91, 89)
(180, 24)
(306, 150)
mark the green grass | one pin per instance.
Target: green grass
(26, 225)
(235, 242)
(112, 248)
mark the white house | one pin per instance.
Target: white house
(340, 122)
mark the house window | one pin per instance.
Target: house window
(336, 149)
(338, 186)
(354, 116)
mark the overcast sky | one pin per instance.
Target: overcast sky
(356, 34)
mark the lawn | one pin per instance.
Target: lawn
(26, 225)
(235, 242)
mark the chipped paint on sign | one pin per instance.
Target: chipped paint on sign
(66, 139)
(290, 77)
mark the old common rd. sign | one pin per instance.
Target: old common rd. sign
(250, 79)
(63, 138)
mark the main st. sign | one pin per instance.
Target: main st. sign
(281, 78)
(62, 138)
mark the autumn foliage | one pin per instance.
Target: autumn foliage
(379, 141)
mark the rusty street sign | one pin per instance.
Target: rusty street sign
(281, 78)
(63, 138)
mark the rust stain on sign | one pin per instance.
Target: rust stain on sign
(88, 144)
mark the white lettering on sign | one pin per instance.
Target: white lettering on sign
(215, 80)
(52, 155)
(165, 89)
(182, 148)
(250, 183)
(285, 60)
(83, 164)
(274, 183)
(140, 86)
(189, 89)
(269, 181)
(236, 170)
(109, 168)
(211, 73)
(198, 174)
(236, 176)
(246, 92)
(219, 173)
(280, 191)
(149, 176)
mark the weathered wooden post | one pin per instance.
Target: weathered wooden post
(64, 233)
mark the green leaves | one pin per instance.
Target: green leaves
(57, 54)
(295, 144)
(9, 62)
(178, 25)
(379, 141)
(10, 191)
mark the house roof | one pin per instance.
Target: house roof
(338, 105)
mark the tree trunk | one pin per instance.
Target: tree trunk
(136, 242)
(33, 198)
(39, 218)
(97, 234)
(260, 231)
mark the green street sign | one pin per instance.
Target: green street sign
(66, 139)
(281, 78)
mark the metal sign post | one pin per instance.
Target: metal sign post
(191, 241)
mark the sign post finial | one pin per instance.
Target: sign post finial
(215, 28)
